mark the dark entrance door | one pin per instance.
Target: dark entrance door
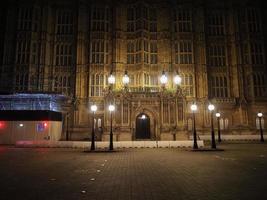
(142, 127)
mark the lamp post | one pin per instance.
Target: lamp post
(125, 80)
(177, 79)
(193, 109)
(111, 109)
(260, 115)
(93, 109)
(163, 79)
(211, 108)
(218, 115)
(111, 80)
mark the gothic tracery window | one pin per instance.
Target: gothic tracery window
(219, 86)
(183, 52)
(216, 55)
(182, 20)
(215, 24)
(97, 85)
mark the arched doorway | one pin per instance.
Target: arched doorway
(142, 127)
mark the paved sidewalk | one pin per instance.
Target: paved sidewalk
(239, 172)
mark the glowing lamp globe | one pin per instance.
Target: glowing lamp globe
(177, 79)
(93, 108)
(211, 107)
(193, 107)
(260, 114)
(111, 108)
(163, 79)
(217, 114)
(125, 79)
(111, 79)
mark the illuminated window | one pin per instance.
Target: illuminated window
(219, 86)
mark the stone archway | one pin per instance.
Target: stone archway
(142, 127)
(152, 122)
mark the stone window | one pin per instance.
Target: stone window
(64, 54)
(260, 86)
(153, 53)
(100, 19)
(64, 22)
(130, 53)
(224, 123)
(28, 19)
(97, 85)
(22, 80)
(219, 86)
(253, 20)
(257, 53)
(23, 52)
(188, 84)
(183, 52)
(99, 53)
(125, 113)
(216, 56)
(182, 20)
(215, 22)
(62, 83)
(141, 17)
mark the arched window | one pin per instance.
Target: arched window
(260, 85)
(219, 86)
(187, 84)
(224, 123)
(97, 85)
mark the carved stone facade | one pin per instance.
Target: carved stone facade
(70, 47)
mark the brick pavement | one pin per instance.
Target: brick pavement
(239, 172)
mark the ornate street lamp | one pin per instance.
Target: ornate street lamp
(125, 80)
(211, 108)
(218, 115)
(260, 115)
(93, 109)
(177, 79)
(194, 109)
(111, 109)
(111, 79)
(163, 79)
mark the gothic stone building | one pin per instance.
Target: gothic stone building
(71, 47)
